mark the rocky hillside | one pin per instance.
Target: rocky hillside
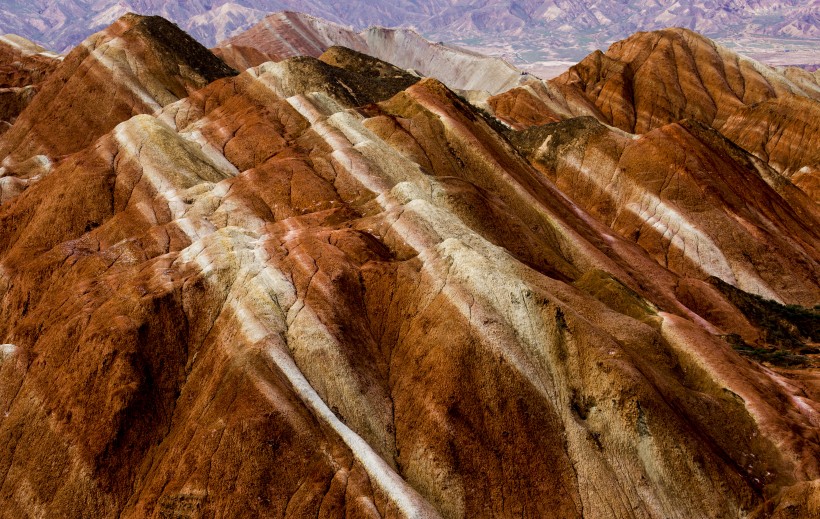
(328, 287)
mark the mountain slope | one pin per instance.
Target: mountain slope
(694, 201)
(781, 132)
(632, 86)
(322, 288)
(24, 67)
(137, 65)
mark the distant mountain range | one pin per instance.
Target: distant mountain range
(535, 34)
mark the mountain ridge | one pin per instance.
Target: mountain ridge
(289, 34)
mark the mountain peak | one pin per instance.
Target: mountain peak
(286, 34)
(136, 65)
(180, 46)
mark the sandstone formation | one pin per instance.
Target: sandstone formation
(326, 288)
(783, 132)
(651, 79)
(694, 201)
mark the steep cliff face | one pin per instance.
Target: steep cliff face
(325, 288)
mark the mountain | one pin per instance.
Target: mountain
(540, 35)
(654, 79)
(284, 35)
(328, 287)
(132, 67)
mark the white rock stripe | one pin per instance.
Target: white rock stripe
(680, 233)
(7, 350)
(12, 43)
(122, 74)
(410, 502)
(276, 33)
(582, 253)
(211, 152)
(28, 50)
(130, 137)
(430, 238)
(406, 498)
(304, 37)
(305, 108)
(269, 282)
(129, 141)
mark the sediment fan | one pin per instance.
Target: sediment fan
(329, 286)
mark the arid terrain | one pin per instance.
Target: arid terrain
(316, 272)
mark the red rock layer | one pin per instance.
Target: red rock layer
(783, 132)
(522, 108)
(285, 35)
(272, 303)
(692, 200)
(136, 66)
(22, 63)
(655, 78)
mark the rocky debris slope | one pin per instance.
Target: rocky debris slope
(314, 291)
(287, 34)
